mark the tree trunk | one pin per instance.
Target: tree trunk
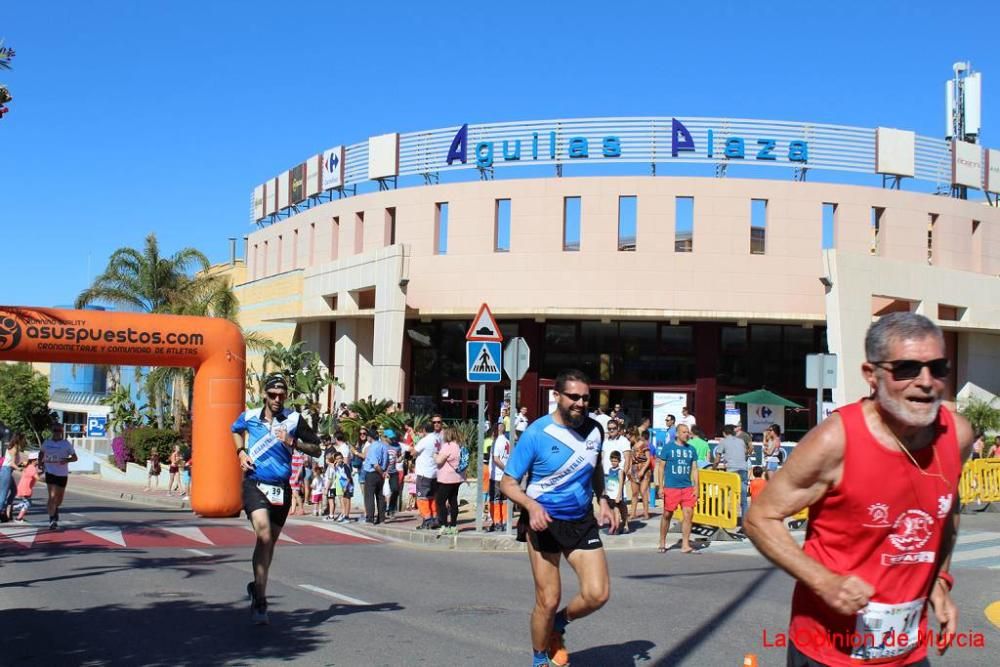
(158, 403)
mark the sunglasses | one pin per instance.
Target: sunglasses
(275, 396)
(576, 397)
(908, 369)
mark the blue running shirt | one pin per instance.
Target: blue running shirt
(272, 459)
(561, 463)
(678, 460)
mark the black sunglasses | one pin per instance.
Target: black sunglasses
(274, 396)
(907, 369)
(576, 397)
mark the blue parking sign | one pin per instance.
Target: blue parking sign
(97, 427)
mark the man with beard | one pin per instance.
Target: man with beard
(880, 478)
(561, 454)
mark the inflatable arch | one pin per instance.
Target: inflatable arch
(213, 347)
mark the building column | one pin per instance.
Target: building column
(345, 367)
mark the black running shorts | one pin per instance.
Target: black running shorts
(561, 536)
(56, 480)
(254, 499)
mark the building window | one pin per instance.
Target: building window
(684, 224)
(977, 247)
(931, 219)
(295, 249)
(627, 223)
(281, 248)
(312, 243)
(758, 226)
(334, 237)
(441, 228)
(571, 223)
(877, 213)
(501, 226)
(359, 232)
(256, 262)
(829, 226)
(263, 264)
(390, 225)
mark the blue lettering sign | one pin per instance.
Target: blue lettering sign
(767, 149)
(798, 151)
(578, 147)
(484, 154)
(680, 138)
(459, 145)
(612, 147)
(735, 148)
(516, 155)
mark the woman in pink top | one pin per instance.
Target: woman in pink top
(448, 481)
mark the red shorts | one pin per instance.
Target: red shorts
(674, 498)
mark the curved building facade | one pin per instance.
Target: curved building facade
(668, 283)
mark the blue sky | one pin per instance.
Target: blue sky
(155, 116)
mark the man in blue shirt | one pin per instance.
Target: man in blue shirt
(561, 454)
(265, 455)
(680, 482)
(373, 470)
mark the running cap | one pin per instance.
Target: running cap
(389, 433)
(275, 381)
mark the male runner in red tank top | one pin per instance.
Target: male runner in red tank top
(880, 478)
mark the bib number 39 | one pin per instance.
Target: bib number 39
(274, 494)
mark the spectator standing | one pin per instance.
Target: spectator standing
(318, 483)
(11, 460)
(153, 471)
(373, 468)
(686, 417)
(174, 468)
(639, 473)
(410, 486)
(392, 471)
(498, 463)
(345, 489)
(758, 481)
(25, 487)
(731, 455)
(521, 421)
(449, 479)
(295, 482)
(615, 441)
(681, 490)
(426, 470)
(614, 489)
(700, 445)
(774, 455)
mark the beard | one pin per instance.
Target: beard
(905, 412)
(571, 418)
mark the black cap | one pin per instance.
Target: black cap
(275, 381)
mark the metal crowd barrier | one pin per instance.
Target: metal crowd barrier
(980, 481)
(718, 499)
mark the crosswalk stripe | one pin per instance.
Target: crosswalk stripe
(334, 528)
(21, 534)
(977, 554)
(190, 532)
(113, 535)
(973, 538)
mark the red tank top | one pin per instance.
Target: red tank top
(882, 523)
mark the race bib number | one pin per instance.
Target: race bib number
(881, 627)
(274, 494)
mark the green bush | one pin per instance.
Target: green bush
(143, 440)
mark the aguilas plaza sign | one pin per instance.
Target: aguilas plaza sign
(544, 145)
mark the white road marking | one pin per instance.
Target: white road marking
(336, 596)
(334, 528)
(22, 534)
(190, 532)
(198, 552)
(975, 554)
(77, 514)
(108, 534)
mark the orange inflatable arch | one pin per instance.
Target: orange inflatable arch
(213, 347)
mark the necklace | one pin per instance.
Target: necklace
(906, 451)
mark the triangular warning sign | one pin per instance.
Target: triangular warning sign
(484, 327)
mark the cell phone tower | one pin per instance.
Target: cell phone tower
(963, 108)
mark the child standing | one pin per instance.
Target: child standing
(29, 476)
(758, 482)
(330, 486)
(317, 489)
(613, 485)
(410, 487)
(345, 489)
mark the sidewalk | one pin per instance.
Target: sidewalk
(402, 528)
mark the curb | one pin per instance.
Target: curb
(135, 497)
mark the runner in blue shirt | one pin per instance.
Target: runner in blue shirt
(561, 455)
(271, 434)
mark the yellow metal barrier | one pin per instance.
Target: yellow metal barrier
(980, 481)
(718, 499)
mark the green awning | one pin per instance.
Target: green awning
(761, 397)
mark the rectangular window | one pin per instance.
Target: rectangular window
(684, 224)
(263, 264)
(977, 247)
(312, 243)
(931, 219)
(359, 232)
(627, 223)
(281, 247)
(390, 225)
(256, 262)
(441, 228)
(334, 237)
(501, 226)
(877, 213)
(758, 226)
(829, 226)
(571, 223)
(295, 249)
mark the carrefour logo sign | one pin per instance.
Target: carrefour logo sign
(544, 146)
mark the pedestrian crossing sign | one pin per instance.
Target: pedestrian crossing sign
(482, 361)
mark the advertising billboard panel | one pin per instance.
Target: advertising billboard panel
(297, 183)
(895, 151)
(966, 164)
(283, 190)
(312, 175)
(271, 197)
(993, 171)
(383, 156)
(258, 202)
(333, 168)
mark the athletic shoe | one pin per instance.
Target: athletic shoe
(558, 655)
(53, 525)
(252, 592)
(259, 616)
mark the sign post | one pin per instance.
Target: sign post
(483, 359)
(821, 373)
(516, 358)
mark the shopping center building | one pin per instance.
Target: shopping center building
(704, 256)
